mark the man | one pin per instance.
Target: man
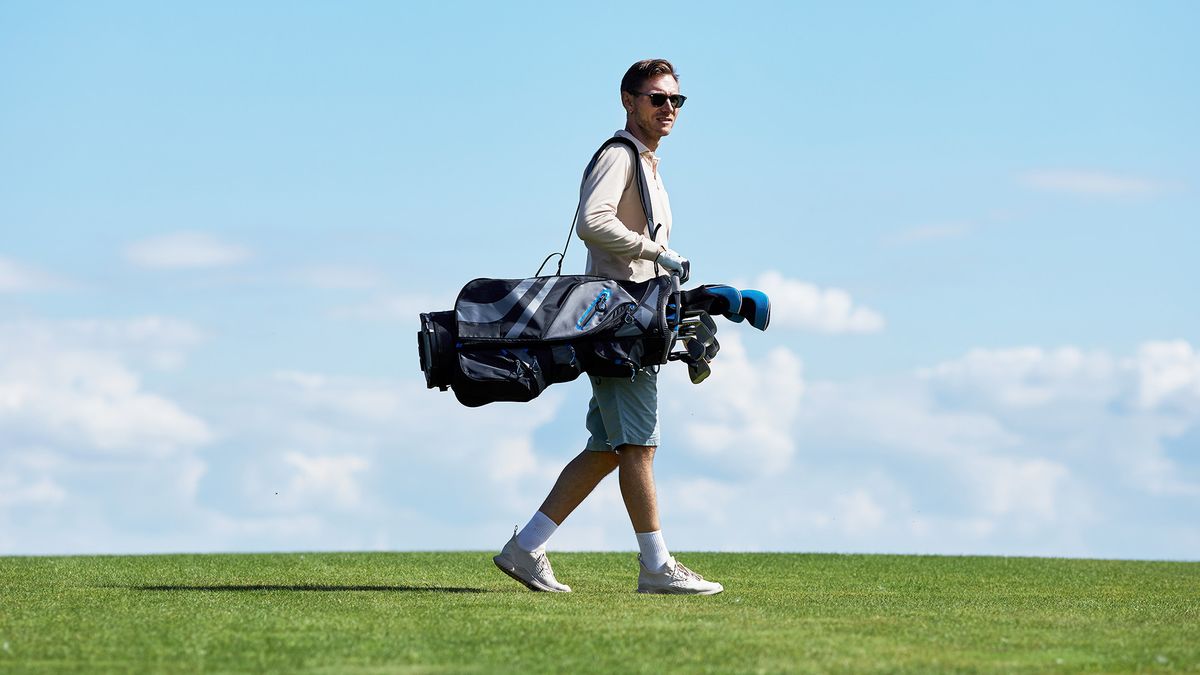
(623, 413)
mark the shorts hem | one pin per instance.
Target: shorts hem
(596, 446)
(652, 442)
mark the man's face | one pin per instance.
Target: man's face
(654, 122)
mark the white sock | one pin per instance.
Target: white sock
(654, 550)
(536, 533)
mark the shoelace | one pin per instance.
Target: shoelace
(543, 564)
(682, 573)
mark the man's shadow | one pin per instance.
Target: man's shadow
(308, 587)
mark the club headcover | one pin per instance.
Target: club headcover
(756, 308)
(713, 299)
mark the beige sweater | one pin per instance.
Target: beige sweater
(611, 222)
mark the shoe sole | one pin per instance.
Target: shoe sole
(661, 592)
(531, 585)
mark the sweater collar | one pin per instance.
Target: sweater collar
(642, 149)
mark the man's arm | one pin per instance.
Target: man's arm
(598, 224)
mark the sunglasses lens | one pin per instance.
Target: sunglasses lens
(658, 99)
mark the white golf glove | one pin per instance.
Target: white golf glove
(675, 263)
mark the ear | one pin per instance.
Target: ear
(627, 101)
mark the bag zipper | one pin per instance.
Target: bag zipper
(599, 304)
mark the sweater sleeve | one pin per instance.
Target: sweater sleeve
(599, 196)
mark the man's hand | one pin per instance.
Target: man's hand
(676, 263)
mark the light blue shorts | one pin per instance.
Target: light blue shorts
(623, 411)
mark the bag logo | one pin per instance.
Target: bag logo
(599, 304)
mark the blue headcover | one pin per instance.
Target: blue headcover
(756, 308)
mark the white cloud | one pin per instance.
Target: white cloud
(859, 512)
(1026, 377)
(42, 490)
(1019, 486)
(1018, 451)
(1168, 373)
(90, 454)
(742, 416)
(325, 477)
(898, 413)
(804, 306)
(706, 499)
(1089, 183)
(16, 277)
(185, 250)
(364, 399)
(1088, 408)
(158, 342)
(67, 384)
(421, 448)
(513, 458)
(93, 401)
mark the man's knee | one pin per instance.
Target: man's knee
(610, 460)
(636, 452)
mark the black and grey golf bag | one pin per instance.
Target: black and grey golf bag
(509, 339)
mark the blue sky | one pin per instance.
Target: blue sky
(978, 224)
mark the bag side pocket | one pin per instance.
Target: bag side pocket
(487, 375)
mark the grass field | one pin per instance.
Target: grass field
(454, 612)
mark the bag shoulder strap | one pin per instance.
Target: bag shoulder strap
(643, 193)
(639, 172)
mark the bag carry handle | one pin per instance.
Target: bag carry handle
(643, 192)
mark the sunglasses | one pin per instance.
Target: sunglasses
(657, 100)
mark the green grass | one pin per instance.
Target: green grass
(454, 612)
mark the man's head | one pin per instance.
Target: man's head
(646, 83)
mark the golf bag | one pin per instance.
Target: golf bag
(509, 339)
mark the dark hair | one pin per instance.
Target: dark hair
(641, 71)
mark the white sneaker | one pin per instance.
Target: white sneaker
(531, 568)
(675, 579)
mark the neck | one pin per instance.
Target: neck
(649, 141)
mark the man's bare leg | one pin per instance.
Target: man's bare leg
(637, 486)
(524, 556)
(641, 501)
(576, 482)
